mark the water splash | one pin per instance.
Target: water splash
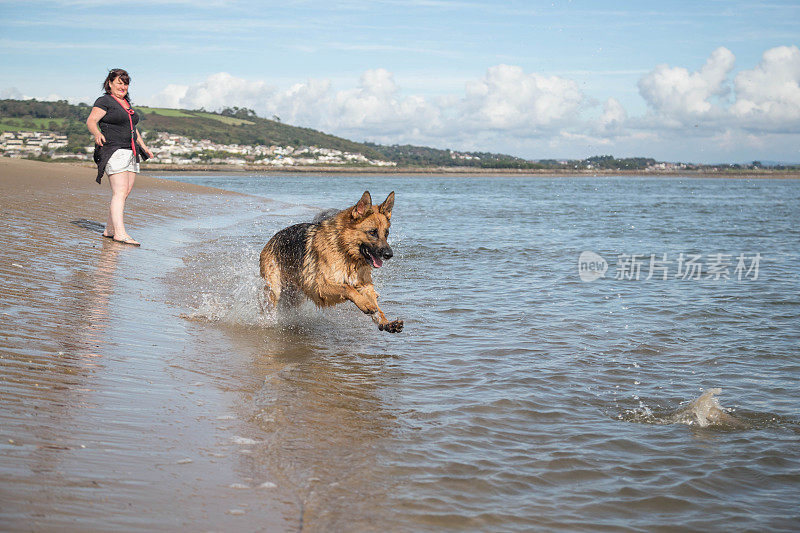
(220, 283)
(242, 302)
(706, 411)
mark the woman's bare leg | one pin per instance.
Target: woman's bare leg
(131, 179)
(109, 231)
(121, 186)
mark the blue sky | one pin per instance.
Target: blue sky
(683, 81)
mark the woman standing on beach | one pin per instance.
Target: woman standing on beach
(118, 148)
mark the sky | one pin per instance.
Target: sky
(705, 82)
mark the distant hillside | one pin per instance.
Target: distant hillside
(242, 126)
(232, 126)
(410, 156)
(236, 126)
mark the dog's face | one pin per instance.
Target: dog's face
(368, 229)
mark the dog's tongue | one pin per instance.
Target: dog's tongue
(377, 262)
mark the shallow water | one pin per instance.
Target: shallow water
(146, 389)
(106, 423)
(520, 396)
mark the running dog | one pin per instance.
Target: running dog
(330, 260)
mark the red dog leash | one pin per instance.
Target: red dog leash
(129, 111)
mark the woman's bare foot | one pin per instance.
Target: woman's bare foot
(126, 239)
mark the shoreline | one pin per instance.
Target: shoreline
(152, 168)
(113, 416)
(467, 172)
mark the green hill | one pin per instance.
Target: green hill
(244, 127)
(410, 156)
(232, 126)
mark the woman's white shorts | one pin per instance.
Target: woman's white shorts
(122, 161)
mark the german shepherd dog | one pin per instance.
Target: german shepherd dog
(330, 260)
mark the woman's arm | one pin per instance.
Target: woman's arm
(94, 129)
(141, 143)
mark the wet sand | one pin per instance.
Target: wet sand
(107, 421)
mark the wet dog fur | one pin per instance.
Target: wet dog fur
(330, 260)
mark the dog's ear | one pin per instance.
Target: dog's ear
(363, 205)
(387, 205)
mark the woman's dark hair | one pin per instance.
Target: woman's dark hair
(113, 74)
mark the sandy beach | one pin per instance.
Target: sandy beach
(106, 424)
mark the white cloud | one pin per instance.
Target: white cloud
(12, 93)
(769, 95)
(374, 106)
(377, 105)
(217, 89)
(508, 99)
(170, 96)
(766, 98)
(676, 93)
(508, 109)
(614, 115)
(302, 104)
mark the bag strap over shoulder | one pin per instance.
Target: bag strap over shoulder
(129, 111)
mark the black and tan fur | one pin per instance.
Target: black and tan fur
(331, 259)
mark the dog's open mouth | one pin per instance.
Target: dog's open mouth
(376, 261)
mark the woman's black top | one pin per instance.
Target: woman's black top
(116, 128)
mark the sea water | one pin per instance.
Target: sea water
(556, 330)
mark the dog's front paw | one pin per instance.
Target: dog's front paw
(395, 326)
